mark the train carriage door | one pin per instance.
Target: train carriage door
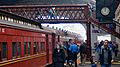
(47, 48)
(53, 40)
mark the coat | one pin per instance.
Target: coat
(58, 58)
(102, 55)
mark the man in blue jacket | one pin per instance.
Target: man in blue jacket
(74, 51)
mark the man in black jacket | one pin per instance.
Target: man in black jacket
(58, 57)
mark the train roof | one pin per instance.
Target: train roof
(11, 15)
(61, 32)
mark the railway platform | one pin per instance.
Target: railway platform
(116, 62)
(88, 65)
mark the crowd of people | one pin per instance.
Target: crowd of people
(68, 51)
(65, 52)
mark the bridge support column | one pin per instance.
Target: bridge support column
(88, 31)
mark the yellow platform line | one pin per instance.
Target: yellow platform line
(116, 62)
(78, 62)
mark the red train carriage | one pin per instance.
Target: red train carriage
(24, 44)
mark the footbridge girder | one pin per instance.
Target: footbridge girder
(51, 13)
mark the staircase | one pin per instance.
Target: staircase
(114, 32)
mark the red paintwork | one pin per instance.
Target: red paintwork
(11, 34)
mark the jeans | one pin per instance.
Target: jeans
(106, 65)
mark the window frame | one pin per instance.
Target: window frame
(42, 47)
(27, 48)
(16, 49)
(36, 48)
(1, 48)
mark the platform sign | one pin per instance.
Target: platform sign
(105, 10)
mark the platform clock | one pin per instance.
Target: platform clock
(105, 11)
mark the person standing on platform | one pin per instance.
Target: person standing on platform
(62, 46)
(74, 51)
(105, 54)
(83, 53)
(115, 50)
(58, 57)
(67, 48)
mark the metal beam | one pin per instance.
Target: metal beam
(50, 13)
(62, 21)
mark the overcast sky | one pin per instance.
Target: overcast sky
(73, 27)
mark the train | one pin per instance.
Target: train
(25, 43)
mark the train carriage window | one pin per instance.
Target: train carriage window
(29, 47)
(35, 48)
(25, 48)
(4, 50)
(14, 44)
(42, 46)
(16, 49)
